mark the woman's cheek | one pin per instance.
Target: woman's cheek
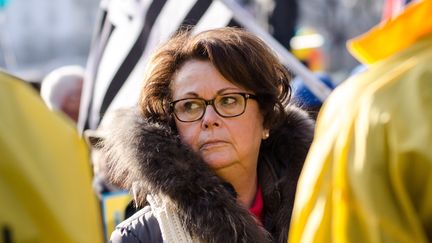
(189, 137)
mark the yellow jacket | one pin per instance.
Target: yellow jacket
(368, 175)
(45, 176)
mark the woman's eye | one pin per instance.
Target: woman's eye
(228, 100)
(191, 106)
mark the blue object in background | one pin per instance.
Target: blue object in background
(303, 96)
(3, 3)
(358, 69)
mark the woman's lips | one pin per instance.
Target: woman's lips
(212, 144)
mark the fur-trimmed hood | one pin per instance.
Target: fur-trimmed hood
(146, 157)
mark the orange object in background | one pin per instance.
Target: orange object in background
(307, 47)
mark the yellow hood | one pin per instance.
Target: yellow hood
(385, 39)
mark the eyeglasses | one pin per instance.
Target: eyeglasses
(225, 105)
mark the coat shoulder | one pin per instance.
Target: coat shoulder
(140, 227)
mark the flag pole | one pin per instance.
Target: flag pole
(247, 21)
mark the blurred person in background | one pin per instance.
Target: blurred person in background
(278, 17)
(283, 21)
(368, 175)
(61, 90)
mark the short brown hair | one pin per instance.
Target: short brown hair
(241, 57)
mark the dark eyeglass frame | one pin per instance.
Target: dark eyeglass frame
(245, 96)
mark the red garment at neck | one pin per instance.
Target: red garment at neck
(257, 206)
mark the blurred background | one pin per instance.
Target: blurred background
(37, 36)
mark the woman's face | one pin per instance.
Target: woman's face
(224, 143)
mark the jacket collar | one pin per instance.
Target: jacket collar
(146, 157)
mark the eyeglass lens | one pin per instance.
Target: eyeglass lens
(227, 105)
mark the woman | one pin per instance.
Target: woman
(215, 151)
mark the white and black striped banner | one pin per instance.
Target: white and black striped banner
(129, 30)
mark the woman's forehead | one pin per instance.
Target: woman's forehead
(195, 76)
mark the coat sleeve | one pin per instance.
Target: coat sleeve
(140, 227)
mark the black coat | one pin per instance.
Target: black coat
(145, 157)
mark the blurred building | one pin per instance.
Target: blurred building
(37, 36)
(338, 21)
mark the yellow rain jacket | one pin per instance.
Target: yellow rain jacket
(45, 178)
(368, 175)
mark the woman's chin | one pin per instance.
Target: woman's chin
(217, 161)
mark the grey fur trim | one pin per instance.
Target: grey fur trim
(286, 150)
(149, 158)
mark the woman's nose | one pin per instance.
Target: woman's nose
(210, 118)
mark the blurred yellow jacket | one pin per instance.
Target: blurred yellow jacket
(45, 175)
(368, 175)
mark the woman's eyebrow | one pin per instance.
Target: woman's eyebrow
(228, 89)
(193, 94)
